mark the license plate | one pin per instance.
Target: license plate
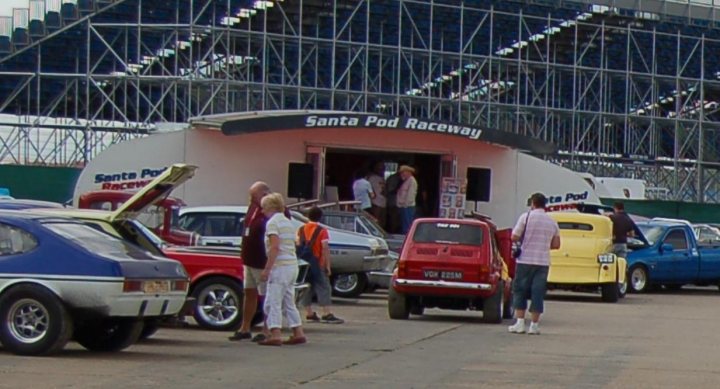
(443, 275)
(156, 286)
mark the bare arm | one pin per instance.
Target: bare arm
(326, 255)
(555, 243)
(272, 254)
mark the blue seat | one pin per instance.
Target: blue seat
(36, 29)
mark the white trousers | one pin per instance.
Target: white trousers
(280, 297)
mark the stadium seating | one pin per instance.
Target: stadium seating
(459, 43)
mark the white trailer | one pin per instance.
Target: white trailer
(233, 151)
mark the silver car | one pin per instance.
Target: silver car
(353, 254)
(363, 223)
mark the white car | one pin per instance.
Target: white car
(353, 255)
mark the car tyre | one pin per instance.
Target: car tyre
(349, 285)
(109, 335)
(493, 306)
(34, 321)
(218, 304)
(638, 279)
(622, 288)
(150, 327)
(398, 308)
(610, 292)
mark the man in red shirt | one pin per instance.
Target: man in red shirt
(254, 260)
(320, 283)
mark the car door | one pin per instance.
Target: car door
(679, 265)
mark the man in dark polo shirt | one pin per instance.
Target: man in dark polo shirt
(623, 227)
(254, 259)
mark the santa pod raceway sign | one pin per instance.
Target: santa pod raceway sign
(371, 121)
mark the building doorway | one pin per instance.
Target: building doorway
(342, 165)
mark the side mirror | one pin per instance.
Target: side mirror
(666, 247)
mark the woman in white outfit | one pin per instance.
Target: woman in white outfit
(280, 272)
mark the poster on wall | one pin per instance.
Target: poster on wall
(452, 197)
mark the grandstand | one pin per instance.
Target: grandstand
(624, 88)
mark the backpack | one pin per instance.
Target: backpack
(304, 250)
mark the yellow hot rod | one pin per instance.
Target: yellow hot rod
(585, 262)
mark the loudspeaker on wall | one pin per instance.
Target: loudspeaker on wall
(300, 180)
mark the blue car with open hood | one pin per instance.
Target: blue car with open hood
(61, 279)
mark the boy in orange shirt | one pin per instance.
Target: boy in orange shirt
(320, 284)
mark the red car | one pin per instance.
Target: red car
(160, 216)
(453, 264)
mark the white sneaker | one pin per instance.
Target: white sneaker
(534, 329)
(517, 328)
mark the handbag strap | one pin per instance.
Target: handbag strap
(527, 218)
(312, 238)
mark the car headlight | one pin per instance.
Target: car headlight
(606, 258)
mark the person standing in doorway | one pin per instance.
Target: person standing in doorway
(537, 233)
(406, 197)
(362, 191)
(392, 184)
(623, 227)
(379, 203)
(254, 260)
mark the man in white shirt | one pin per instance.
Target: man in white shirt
(362, 191)
(406, 195)
(537, 234)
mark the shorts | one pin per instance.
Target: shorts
(620, 249)
(530, 283)
(320, 287)
(252, 280)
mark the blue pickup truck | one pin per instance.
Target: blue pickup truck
(668, 254)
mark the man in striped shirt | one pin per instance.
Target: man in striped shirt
(537, 234)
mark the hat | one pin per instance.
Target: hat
(406, 168)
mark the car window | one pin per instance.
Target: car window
(575, 226)
(372, 227)
(340, 222)
(706, 234)
(100, 226)
(213, 224)
(190, 222)
(651, 233)
(13, 240)
(678, 239)
(359, 227)
(98, 242)
(453, 233)
(138, 234)
(151, 216)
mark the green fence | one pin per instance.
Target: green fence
(694, 212)
(39, 182)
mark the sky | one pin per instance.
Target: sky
(6, 6)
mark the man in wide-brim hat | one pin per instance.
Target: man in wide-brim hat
(406, 197)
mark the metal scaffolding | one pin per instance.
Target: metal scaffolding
(621, 92)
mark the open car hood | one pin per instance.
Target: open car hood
(156, 190)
